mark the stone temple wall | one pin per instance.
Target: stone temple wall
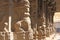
(30, 19)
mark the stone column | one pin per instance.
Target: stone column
(51, 11)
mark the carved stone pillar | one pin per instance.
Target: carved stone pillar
(51, 11)
(21, 19)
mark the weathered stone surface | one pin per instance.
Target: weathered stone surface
(31, 19)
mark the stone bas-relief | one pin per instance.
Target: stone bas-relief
(30, 19)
